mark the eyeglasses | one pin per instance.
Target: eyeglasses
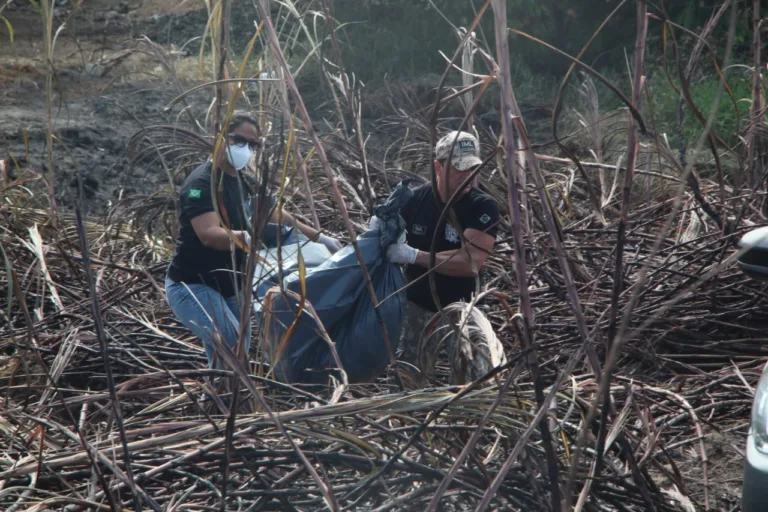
(239, 140)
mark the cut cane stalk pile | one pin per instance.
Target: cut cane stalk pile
(533, 433)
(685, 373)
(56, 404)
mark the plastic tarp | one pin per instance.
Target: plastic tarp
(292, 244)
(341, 300)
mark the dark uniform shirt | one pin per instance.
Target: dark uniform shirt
(193, 262)
(475, 210)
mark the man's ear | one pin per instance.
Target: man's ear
(438, 167)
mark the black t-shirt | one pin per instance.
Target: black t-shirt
(193, 262)
(475, 210)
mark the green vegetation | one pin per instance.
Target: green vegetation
(728, 120)
(405, 42)
(404, 38)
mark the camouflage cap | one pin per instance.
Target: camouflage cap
(466, 150)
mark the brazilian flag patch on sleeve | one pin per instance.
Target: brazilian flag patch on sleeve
(195, 193)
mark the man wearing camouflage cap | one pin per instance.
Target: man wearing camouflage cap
(458, 258)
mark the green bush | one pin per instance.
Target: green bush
(404, 38)
(729, 120)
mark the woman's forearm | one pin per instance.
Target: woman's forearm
(287, 219)
(311, 233)
(218, 238)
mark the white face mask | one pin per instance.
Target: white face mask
(238, 156)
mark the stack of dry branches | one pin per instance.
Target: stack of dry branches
(374, 447)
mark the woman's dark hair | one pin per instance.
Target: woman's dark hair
(240, 118)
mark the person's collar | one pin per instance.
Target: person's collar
(224, 171)
(463, 193)
(221, 168)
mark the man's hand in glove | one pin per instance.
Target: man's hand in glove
(246, 239)
(403, 254)
(332, 244)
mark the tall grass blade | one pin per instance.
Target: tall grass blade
(97, 318)
(515, 190)
(9, 27)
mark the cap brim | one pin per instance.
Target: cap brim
(466, 163)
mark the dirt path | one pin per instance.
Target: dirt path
(107, 87)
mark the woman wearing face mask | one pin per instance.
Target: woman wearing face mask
(201, 280)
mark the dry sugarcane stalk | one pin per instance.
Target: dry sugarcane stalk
(515, 190)
(712, 140)
(620, 338)
(632, 150)
(49, 41)
(443, 487)
(558, 108)
(107, 366)
(223, 9)
(753, 170)
(301, 164)
(353, 103)
(433, 176)
(333, 180)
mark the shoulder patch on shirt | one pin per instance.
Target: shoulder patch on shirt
(485, 218)
(195, 193)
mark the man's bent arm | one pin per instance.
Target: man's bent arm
(464, 262)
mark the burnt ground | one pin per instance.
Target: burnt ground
(108, 85)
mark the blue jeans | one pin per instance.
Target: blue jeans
(205, 312)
